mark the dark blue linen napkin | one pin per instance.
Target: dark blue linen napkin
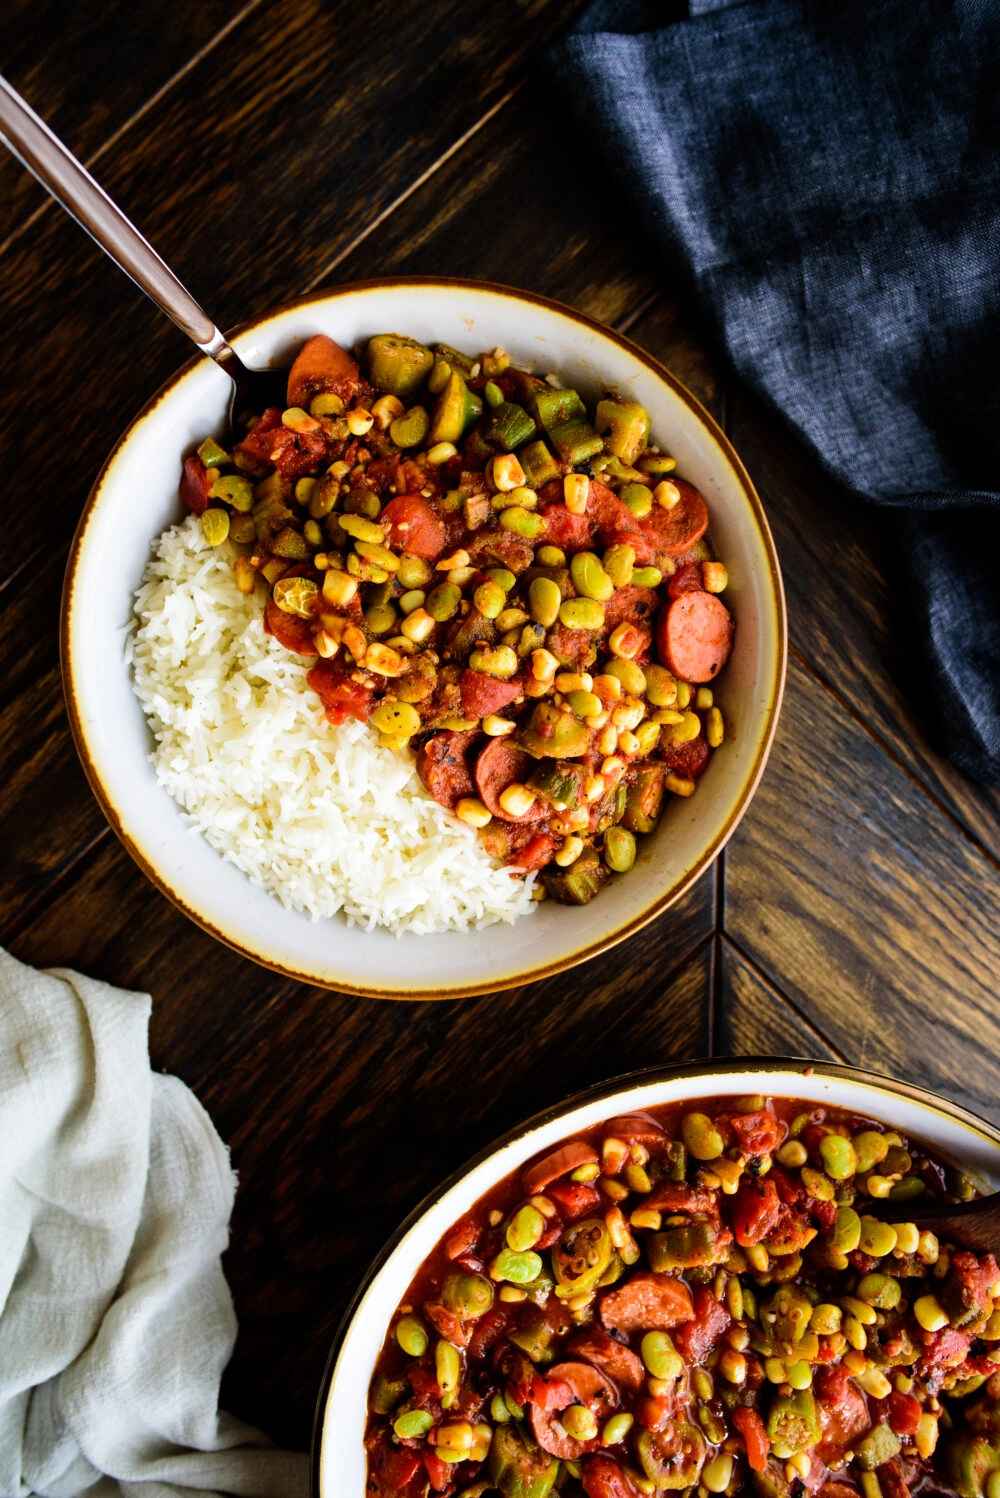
(827, 172)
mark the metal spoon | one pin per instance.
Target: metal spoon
(72, 186)
(974, 1224)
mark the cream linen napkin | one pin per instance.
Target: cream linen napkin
(115, 1318)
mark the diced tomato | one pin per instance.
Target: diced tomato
(290, 630)
(751, 1428)
(536, 853)
(450, 1326)
(568, 531)
(758, 1133)
(976, 1274)
(843, 1411)
(688, 760)
(695, 1339)
(461, 1239)
(791, 1232)
(945, 1349)
(602, 1477)
(754, 1212)
(904, 1413)
(574, 1199)
(483, 695)
(341, 697)
(549, 1393)
(414, 526)
(196, 480)
(438, 1472)
(687, 579)
(487, 1332)
(393, 1467)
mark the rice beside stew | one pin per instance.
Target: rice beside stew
(324, 818)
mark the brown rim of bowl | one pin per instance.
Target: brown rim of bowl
(511, 980)
(734, 1067)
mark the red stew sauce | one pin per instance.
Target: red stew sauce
(698, 1299)
(493, 575)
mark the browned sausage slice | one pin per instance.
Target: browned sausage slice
(566, 1158)
(590, 1388)
(499, 765)
(677, 529)
(320, 365)
(695, 636)
(618, 1362)
(443, 768)
(648, 1302)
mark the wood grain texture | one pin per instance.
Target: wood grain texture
(107, 920)
(855, 896)
(249, 178)
(343, 1118)
(513, 206)
(754, 1019)
(846, 613)
(87, 70)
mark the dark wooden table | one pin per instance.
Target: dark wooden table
(269, 149)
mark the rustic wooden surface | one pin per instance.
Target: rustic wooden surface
(271, 149)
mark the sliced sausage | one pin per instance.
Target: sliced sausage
(677, 530)
(482, 694)
(631, 605)
(694, 636)
(321, 365)
(561, 1161)
(678, 1196)
(590, 1388)
(568, 531)
(618, 1362)
(444, 769)
(648, 1302)
(499, 765)
(604, 1478)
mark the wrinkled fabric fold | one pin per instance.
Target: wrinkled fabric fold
(825, 174)
(115, 1318)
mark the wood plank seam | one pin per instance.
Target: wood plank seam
(781, 997)
(425, 176)
(138, 114)
(713, 998)
(847, 707)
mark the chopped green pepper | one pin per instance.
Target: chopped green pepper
(517, 1469)
(624, 425)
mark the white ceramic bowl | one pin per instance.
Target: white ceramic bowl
(338, 1450)
(135, 498)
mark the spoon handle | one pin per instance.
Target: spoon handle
(44, 154)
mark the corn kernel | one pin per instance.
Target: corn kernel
(666, 494)
(625, 641)
(298, 420)
(516, 799)
(386, 409)
(507, 472)
(339, 588)
(382, 660)
(714, 577)
(543, 665)
(440, 453)
(646, 1217)
(569, 852)
(930, 1313)
(457, 559)
(472, 812)
(576, 490)
(497, 727)
(679, 785)
(359, 421)
(417, 626)
(715, 729)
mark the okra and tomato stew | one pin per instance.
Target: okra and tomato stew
(699, 1299)
(517, 587)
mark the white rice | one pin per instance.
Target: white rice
(322, 817)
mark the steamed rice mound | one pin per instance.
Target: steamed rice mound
(323, 817)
